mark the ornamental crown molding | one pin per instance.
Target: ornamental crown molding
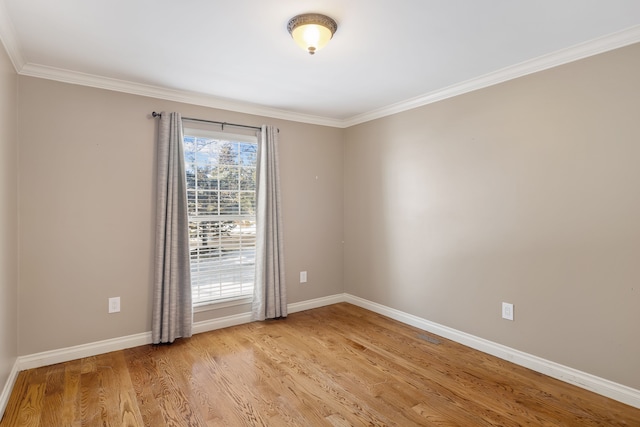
(554, 59)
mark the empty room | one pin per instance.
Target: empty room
(319, 213)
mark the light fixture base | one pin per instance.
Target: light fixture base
(312, 31)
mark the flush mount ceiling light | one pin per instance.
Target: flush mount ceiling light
(312, 31)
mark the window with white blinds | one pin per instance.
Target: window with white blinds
(221, 199)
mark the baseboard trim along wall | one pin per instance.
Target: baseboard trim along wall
(100, 347)
(581, 379)
(239, 319)
(604, 387)
(84, 350)
(8, 387)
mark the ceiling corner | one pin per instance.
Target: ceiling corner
(9, 39)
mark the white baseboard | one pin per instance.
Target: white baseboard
(581, 379)
(239, 319)
(51, 357)
(221, 322)
(315, 303)
(619, 392)
(8, 387)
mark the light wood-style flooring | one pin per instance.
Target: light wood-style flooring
(333, 366)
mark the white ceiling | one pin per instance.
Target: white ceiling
(387, 55)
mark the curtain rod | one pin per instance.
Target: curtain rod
(223, 124)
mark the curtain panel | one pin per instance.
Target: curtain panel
(172, 313)
(270, 293)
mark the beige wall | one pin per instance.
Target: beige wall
(8, 218)
(526, 192)
(87, 210)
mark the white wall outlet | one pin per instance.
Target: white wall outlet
(507, 311)
(114, 305)
(303, 277)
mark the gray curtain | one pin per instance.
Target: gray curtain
(270, 293)
(172, 311)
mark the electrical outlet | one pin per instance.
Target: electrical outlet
(507, 311)
(303, 277)
(114, 305)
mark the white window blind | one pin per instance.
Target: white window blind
(221, 194)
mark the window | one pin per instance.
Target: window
(221, 200)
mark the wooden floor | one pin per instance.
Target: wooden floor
(334, 366)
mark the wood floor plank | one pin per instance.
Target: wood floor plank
(338, 365)
(30, 406)
(128, 411)
(54, 394)
(70, 409)
(170, 404)
(142, 369)
(348, 373)
(30, 409)
(227, 379)
(12, 411)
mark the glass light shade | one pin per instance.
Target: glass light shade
(311, 37)
(312, 31)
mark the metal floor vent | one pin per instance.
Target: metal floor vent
(429, 338)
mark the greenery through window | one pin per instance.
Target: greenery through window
(221, 199)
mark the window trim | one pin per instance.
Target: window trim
(197, 131)
(223, 303)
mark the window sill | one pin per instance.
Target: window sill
(230, 302)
